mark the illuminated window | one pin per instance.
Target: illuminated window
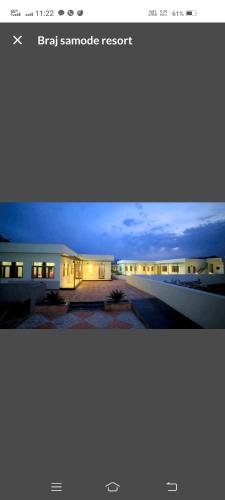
(50, 272)
(11, 269)
(78, 269)
(37, 270)
(19, 269)
(164, 269)
(67, 269)
(101, 271)
(43, 270)
(175, 269)
(5, 269)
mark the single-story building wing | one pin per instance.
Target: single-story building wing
(208, 265)
(54, 264)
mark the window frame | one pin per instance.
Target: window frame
(13, 269)
(44, 271)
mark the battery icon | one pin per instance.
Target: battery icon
(191, 12)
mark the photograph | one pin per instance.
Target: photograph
(112, 265)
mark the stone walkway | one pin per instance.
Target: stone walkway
(83, 320)
(99, 290)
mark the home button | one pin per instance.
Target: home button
(112, 487)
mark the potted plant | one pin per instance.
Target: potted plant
(52, 304)
(117, 301)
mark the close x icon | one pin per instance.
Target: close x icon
(17, 39)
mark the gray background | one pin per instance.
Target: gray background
(136, 123)
(117, 123)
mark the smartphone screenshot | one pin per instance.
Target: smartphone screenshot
(112, 250)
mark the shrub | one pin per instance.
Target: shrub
(116, 295)
(54, 298)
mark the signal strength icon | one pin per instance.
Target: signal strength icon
(15, 12)
(29, 14)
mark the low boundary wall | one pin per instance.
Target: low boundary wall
(206, 279)
(205, 309)
(16, 292)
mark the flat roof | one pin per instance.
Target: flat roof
(171, 261)
(166, 261)
(58, 248)
(86, 256)
(150, 261)
(135, 261)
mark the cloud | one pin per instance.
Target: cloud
(207, 239)
(160, 228)
(207, 217)
(166, 230)
(131, 222)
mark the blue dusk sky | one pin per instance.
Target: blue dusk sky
(126, 230)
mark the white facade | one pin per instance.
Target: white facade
(98, 269)
(56, 265)
(61, 267)
(211, 265)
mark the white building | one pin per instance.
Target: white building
(209, 265)
(61, 267)
(54, 264)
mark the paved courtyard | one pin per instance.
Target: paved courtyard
(99, 290)
(150, 312)
(89, 291)
(83, 320)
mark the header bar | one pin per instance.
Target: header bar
(78, 11)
